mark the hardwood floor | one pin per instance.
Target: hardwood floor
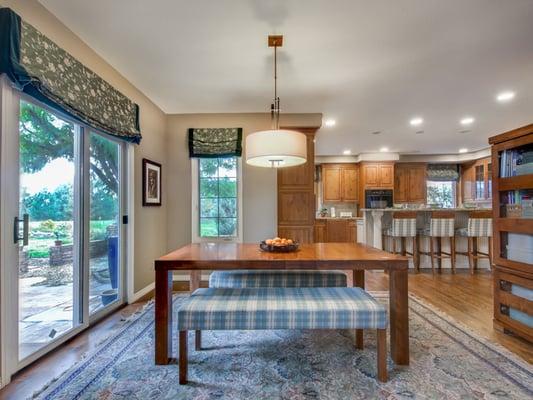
(467, 298)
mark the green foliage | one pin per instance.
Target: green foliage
(45, 205)
(44, 137)
(441, 194)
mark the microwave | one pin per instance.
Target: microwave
(378, 198)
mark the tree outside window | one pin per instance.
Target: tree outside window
(441, 194)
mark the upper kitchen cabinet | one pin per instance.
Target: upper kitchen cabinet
(340, 182)
(378, 175)
(476, 180)
(410, 183)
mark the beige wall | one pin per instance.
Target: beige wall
(259, 184)
(150, 222)
(158, 229)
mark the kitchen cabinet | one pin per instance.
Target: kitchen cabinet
(296, 197)
(476, 180)
(410, 183)
(378, 175)
(340, 183)
(320, 231)
(335, 230)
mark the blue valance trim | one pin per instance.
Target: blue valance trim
(39, 67)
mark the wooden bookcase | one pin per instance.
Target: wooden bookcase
(508, 273)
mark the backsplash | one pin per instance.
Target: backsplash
(341, 207)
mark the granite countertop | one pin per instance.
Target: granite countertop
(338, 217)
(427, 209)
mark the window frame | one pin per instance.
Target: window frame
(195, 203)
(454, 192)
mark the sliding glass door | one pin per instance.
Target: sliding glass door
(49, 264)
(105, 276)
(63, 212)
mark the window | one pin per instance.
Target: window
(217, 201)
(441, 194)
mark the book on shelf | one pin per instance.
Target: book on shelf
(516, 162)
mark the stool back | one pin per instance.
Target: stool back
(479, 227)
(442, 224)
(404, 224)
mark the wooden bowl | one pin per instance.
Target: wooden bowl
(278, 249)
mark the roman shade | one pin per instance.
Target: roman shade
(39, 67)
(442, 172)
(215, 142)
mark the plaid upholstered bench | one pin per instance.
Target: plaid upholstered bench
(276, 278)
(282, 308)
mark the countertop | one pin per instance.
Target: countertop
(427, 209)
(338, 218)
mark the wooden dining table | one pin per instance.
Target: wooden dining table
(354, 258)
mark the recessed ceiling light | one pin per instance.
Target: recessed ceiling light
(330, 122)
(384, 149)
(347, 152)
(506, 96)
(467, 121)
(416, 121)
(463, 150)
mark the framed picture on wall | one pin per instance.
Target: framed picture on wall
(151, 183)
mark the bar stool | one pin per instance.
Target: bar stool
(441, 225)
(479, 225)
(403, 227)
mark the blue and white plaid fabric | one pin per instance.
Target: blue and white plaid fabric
(275, 278)
(281, 308)
(442, 227)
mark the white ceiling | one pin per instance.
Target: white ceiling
(371, 65)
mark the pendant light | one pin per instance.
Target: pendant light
(276, 148)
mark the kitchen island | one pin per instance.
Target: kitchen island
(377, 219)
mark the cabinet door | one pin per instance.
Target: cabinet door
(417, 185)
(401, 184)
(386, 175)
(332, 179)
(468, 182)
(350, 184)
(301, 234)
(479, 172)
(352, 231)
(320, 232)
(370, 173)
(337, 230)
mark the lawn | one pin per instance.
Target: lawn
(43, 235)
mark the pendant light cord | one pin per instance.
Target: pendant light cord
(275, 105)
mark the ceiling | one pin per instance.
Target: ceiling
(370, 65)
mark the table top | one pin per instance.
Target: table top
(214, 256)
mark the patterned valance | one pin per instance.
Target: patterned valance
(442, 172)
(215, 142)
(39, 67)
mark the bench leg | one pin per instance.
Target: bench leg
(198, 340)
(382, 354)
(359, 339)
(183, 357)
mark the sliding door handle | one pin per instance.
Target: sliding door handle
(25, 229)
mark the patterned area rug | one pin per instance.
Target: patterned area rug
(447, 362)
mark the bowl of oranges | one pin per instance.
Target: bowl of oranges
(279, 245)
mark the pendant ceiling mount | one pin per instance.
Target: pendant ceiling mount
(276, 148)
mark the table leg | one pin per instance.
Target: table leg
(359, 281)
(163, 316)
(399, 316)
(194, 283)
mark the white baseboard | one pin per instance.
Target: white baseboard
(144, 291)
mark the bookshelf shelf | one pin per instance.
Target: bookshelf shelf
(512, 153)
(516, 183)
